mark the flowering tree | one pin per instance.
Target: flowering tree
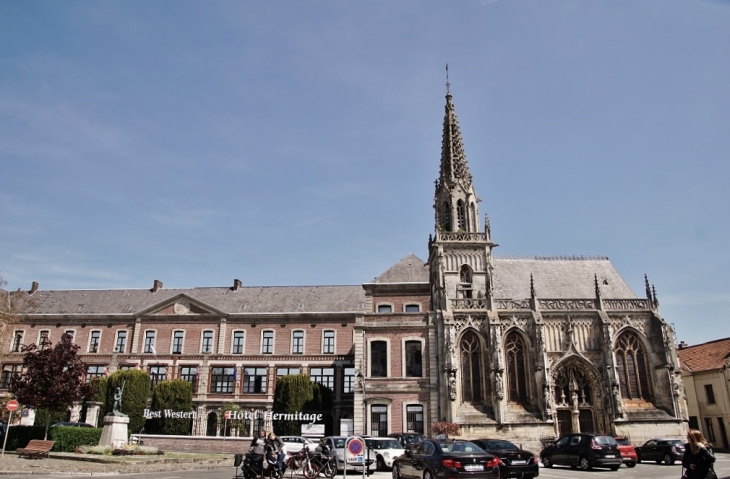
(445, 427)
(52, 377)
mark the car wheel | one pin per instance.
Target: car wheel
(547, 461)
(631, 464)
(615, 468)
(380, 464)
(638, 459)
(396, 472)
(585, 464)
(427, 475)
(668, 459)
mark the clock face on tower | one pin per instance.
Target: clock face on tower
(182, 307)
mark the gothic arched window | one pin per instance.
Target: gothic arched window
(461, 215)
(446, 224)
(473, 217)
(471, 377)
(465, 274)
(632, 367)
(516, 368)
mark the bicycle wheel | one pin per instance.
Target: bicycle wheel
(329, 469)
(309, 470)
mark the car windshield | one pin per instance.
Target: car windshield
(623, 441)
(501, 445)
(412, 439)
(460, 447)
(675, 442)
(388, 444)
(339, 442)
(604, 440)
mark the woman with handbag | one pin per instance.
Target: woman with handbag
(698, 458)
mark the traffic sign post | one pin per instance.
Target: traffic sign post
(355, 454)
(12, 405)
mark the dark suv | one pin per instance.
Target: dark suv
(583, 450)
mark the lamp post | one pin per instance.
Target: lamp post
(361, 384)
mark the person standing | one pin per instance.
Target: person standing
(698, 458)
(258, 443)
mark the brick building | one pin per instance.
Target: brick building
(522, 348)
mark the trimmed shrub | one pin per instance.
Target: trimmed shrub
(99, 385)
(45, 417)
(137, 385)
(176, 395)
(291, 394)
(20, 436)
(68, 439)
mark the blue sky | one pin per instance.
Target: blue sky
(297, 142)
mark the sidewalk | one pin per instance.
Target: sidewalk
(94, 465)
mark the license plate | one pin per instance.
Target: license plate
(473, 467)
(519, 462)
(610, 455)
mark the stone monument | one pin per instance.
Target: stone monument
(115, 432)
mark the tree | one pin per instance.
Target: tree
(291, 394)
(176, 395)
(52, 377)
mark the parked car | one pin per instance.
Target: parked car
(72, 424)
(514, 462)
(661, 450)
(445, 459)
(583, 450)
(386, 449)
(628, 453)
(337, 444)
(408, 438)
(297, 443)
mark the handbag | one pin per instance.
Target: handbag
(711, 473)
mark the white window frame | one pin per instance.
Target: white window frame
(417, 305)
(387, 356)
(20, 343)
(334, 341)
(212, 341)
(144, 341)
(390, 305)
(403, 355)
(40, 333)
(98, 345)
(273, 341)
(172, 342)
(304, 336)
(233, 341)
(116, 340)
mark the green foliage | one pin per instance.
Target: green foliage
(20, 436)
(44, 416)
(68, 439)
(321, 403)
(177, 395)
(235, 427)
(291, 395)
(99, 386)
(134, 399)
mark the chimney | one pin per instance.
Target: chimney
(157, 286)
(33, 287)
(682, 345)
(236, 284)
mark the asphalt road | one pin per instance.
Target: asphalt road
(641, 471)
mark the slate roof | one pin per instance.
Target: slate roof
(260, 299)
(706, 356)
(555, 278)
(410, 269)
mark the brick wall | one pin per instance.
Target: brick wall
(219, 445)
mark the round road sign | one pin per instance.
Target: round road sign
(355, 447)
(12, 405)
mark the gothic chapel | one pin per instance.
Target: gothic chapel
(541, 346)
(521, 348)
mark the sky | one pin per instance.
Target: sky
(297, 142)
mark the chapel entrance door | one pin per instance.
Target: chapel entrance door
(565, 422)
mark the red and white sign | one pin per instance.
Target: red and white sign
(12, 405)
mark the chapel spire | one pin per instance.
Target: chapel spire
(454, 167)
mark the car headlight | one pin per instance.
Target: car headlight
(386, 454)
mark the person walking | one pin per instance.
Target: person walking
(698, 458)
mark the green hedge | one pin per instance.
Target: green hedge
(174, 394)
(137, 385)
(20, 436)
(69, 438)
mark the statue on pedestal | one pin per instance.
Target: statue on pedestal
(117, 405)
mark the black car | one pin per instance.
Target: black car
(445, 459)
(583, 450)
(661, 450)
(514, 462)
(408, 438)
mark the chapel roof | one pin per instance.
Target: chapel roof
(705, 356)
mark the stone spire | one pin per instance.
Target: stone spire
(454, 167)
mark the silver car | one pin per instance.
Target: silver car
(337, 444)
(386, 449)
(297, 443)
